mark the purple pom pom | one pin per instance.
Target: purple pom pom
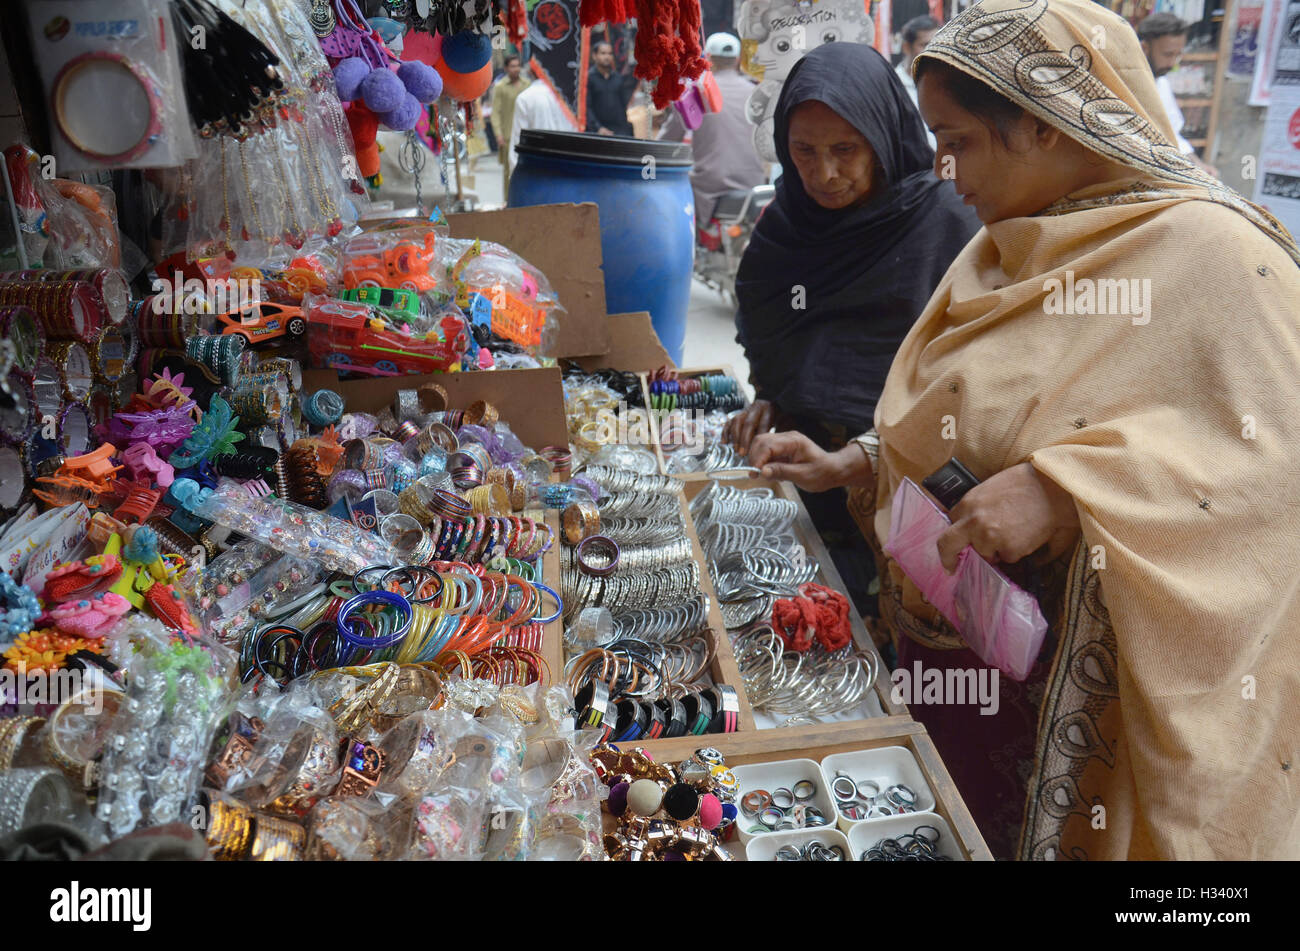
(422, 81)
(405, 116)
(618, 799)
(466, 51)
(348, 75)
(382, 90)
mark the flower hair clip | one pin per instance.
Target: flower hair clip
(216, 435)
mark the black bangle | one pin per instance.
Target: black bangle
(726, 709)
(592, 704)
(632, 721)
(674, 713)
(656, 722)
(699, 712)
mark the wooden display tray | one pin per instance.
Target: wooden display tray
(821, 740)
(723, 669)
(806, 532)
(654, 416)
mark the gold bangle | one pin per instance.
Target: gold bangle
(580, 520)
(12, 741)
(230, 830)
(278, 840)
(482, 413)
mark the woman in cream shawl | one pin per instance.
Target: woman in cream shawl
(1145, 459)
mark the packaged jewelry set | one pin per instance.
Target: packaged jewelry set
(113, 81)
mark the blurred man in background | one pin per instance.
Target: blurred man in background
(504, 96)
(723, 145)
(537, 107)
(1164, 37)
(916, 37)
(608, 94)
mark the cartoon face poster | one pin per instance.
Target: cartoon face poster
(775, 34)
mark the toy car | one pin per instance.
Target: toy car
(348, 338)
(399, 305)
(262, 322)
(371, 263)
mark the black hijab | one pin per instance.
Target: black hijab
(866, 272)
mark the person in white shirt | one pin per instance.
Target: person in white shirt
(538, 108)
(916, 37)
(1164, 36)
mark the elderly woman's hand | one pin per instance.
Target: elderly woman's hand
(1010, 516)
(795, 457)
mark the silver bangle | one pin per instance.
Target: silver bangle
(31, 795)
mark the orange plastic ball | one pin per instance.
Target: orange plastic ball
(463, 87)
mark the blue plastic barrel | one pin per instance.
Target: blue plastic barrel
(647, 215)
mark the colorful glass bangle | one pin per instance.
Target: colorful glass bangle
(61, 89)
(559, 605)
(374, 597)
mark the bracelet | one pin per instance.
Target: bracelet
(83, 74)
(374, 597)
(31, 795)
(598, 545)
(580, 520)
(559, 605)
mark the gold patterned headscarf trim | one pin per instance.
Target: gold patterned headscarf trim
(1079, 67)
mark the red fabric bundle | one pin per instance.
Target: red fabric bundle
(818, 612)
(667, 40)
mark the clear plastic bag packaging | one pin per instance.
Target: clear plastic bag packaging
(524, 308)
(112, 79)
(241, 584)
(1000, 621)
(296, 530)
(155, 757)
(355, 829)
(296, 761)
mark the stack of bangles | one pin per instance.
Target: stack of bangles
(632, 690)
(408, 615)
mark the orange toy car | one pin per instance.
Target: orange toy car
(406, 265)
(264, 321)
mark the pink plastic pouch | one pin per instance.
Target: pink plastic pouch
(1001, 622)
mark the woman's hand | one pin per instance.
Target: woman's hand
(1012, 515)
(753, 420)
(795, 457)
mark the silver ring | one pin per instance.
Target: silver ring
(782, 798)
(900, 795)
(845, 789)
(864, 784)
(804, 790)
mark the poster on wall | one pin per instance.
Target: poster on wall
(1245, 38)
(555, 47)
(1277, 186)
(776, 34)
(1266, 51)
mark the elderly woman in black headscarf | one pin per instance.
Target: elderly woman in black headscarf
(841, 263)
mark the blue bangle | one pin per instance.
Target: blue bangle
(374, 597)
(559, 605)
